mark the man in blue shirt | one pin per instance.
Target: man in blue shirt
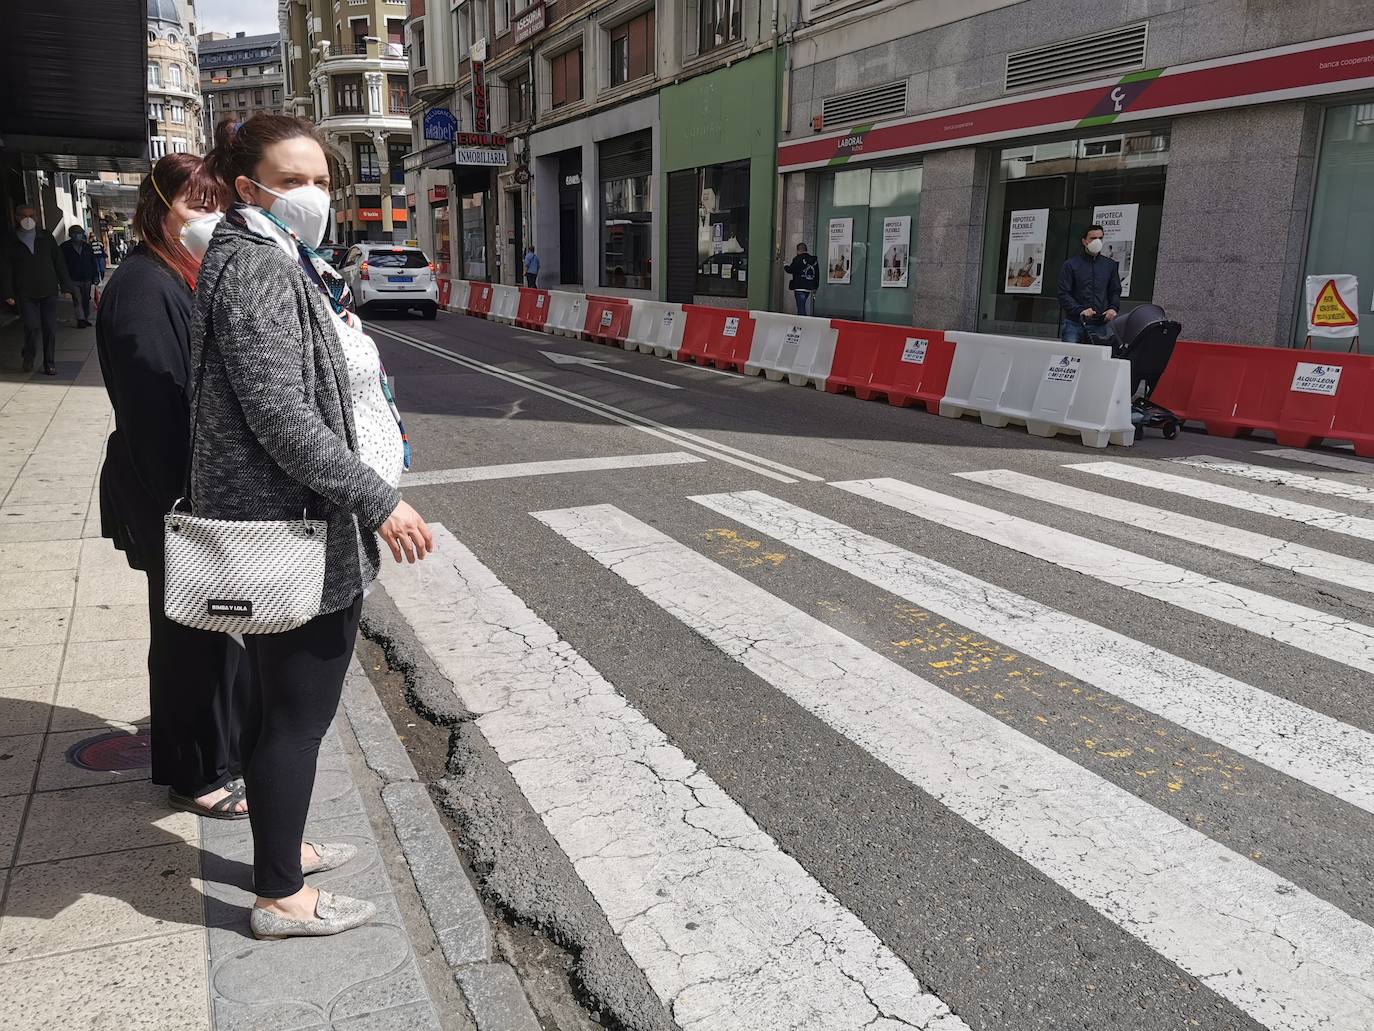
(1089, 293)
(531, 266)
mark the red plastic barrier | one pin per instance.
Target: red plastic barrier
(479, 300)
(445, 290)
(534, 308)
(721, 337)
(874, 360)
(1233, 389)
(608, 319)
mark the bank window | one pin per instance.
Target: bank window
(867, 226)
(723, 230)
(632, 49)
(1043, 199)
(565, 72)
(1342, 215)
(721, 23)
(517, 99)
(369, 171)
(348, 94)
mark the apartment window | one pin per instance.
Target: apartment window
(396, 158)
(348, 94)
(417, 40)
(395, 37)
(632, 49)
(466, 123)
(518, 107)
(178, 114)
(276, 96)
(369, 170)
(157, 146)
(174, 75)
(178, 146)
(398, 100)
(565, 70)
(155, 111)
(462, 27)
(243, 97)
(503, 13)
(258, 97)
(358, 26)
(720, 23)
(154, 75)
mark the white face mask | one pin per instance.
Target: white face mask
(27, 224)
(305, 210)
(1094, 247)
(195, 234)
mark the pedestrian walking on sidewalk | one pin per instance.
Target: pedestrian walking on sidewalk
(199, 683)
(805, 270)
(84, 269)
(294, 416)
(1089, 293)
(32, 274)
(531, 267)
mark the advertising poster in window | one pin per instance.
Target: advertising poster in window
(841, 252)
(1118, 237)
(1026, 250)
(896, 250)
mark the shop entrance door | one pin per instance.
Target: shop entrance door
(570, 217)
(864, 240)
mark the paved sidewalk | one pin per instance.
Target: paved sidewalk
(117, 912)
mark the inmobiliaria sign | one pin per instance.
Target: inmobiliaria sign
(1341, 64)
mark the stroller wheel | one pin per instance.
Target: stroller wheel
(1170, 430)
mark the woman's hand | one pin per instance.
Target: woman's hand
(405, 532)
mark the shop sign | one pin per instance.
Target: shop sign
(478, 50)
(438, 194)
(479, 95)
(440, 124)
(914, 353)
(1026, 250)
(398, 215)
(896, 250)
(1318, 68)
(1331, 304)
(841, 250)
(572, 180)
(1118, 223)
(480, 139)
(1063, 369)
(1309, 378)
(492, 157)
(528, 22)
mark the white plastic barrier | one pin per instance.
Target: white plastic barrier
(655, 327)
(458, 299)
(800, 347)
(1048, 386)
(505, 302)
(567, 313)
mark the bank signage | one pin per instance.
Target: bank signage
(528, 22)
(1341, 64)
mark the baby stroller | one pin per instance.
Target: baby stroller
(1145, 337)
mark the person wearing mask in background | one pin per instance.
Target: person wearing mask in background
(293, 415)
(531, 267)
(32, 273)
(199, 683)
(99, 249)
(805, 271)
(1089, 293)
(84, 269)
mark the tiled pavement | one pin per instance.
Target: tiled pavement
(117, 912)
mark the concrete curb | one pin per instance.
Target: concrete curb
(490, 986)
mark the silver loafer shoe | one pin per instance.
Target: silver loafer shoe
(333, 915)
(331, 856)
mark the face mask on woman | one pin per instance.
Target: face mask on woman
(27, 224)
(304, 210)
(196, 233)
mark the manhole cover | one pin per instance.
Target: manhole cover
(111, 753)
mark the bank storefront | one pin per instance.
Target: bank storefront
(1219, 185)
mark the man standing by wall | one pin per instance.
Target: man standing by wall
(32, 273)
(805, 271)
(84, 269)
(531, 267)
(1089, 293)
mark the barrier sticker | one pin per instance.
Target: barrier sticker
(914, 352)
(606, 317)
(792, 338)
(1310, 378)
(486, 292)
(577, 305)
(668, 318)
(539, 301)
(731, 326)
(1063, 369)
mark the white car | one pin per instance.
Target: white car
(389, 275)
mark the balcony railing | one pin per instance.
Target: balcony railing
(361, 48)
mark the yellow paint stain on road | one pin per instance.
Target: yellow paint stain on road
(745, 552)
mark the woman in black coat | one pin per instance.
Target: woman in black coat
(198, 688)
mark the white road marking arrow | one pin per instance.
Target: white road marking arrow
(572, 359)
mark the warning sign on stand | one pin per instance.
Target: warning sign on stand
(1331, 303)
(1310, 378)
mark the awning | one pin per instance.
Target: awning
(74, 78)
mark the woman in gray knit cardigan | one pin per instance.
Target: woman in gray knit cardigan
(293, 416)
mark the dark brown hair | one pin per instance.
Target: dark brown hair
(239, 146)
(171, 176)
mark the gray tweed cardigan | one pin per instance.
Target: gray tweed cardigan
(276, 424)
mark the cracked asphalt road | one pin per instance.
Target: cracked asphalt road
(1103, 809)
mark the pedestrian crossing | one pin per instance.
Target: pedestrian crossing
(731, 931)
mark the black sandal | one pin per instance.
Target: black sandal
(221, 810)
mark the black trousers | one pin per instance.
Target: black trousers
(200, 687)
(40, 324)
(300, 675)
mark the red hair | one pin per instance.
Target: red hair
(172, 176)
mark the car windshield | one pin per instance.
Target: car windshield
(397, 259)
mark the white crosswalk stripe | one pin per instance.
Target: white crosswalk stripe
(1328, 461)
(1280, 477)
(1316, 749)
(1232, 497)
(729, 930)
(1308, 629)
(1274, 950)
(1297, 558)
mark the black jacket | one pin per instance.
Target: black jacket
(143, 339)
(805, 270)
(32, 275)
(82, 264)
(1089, 282)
